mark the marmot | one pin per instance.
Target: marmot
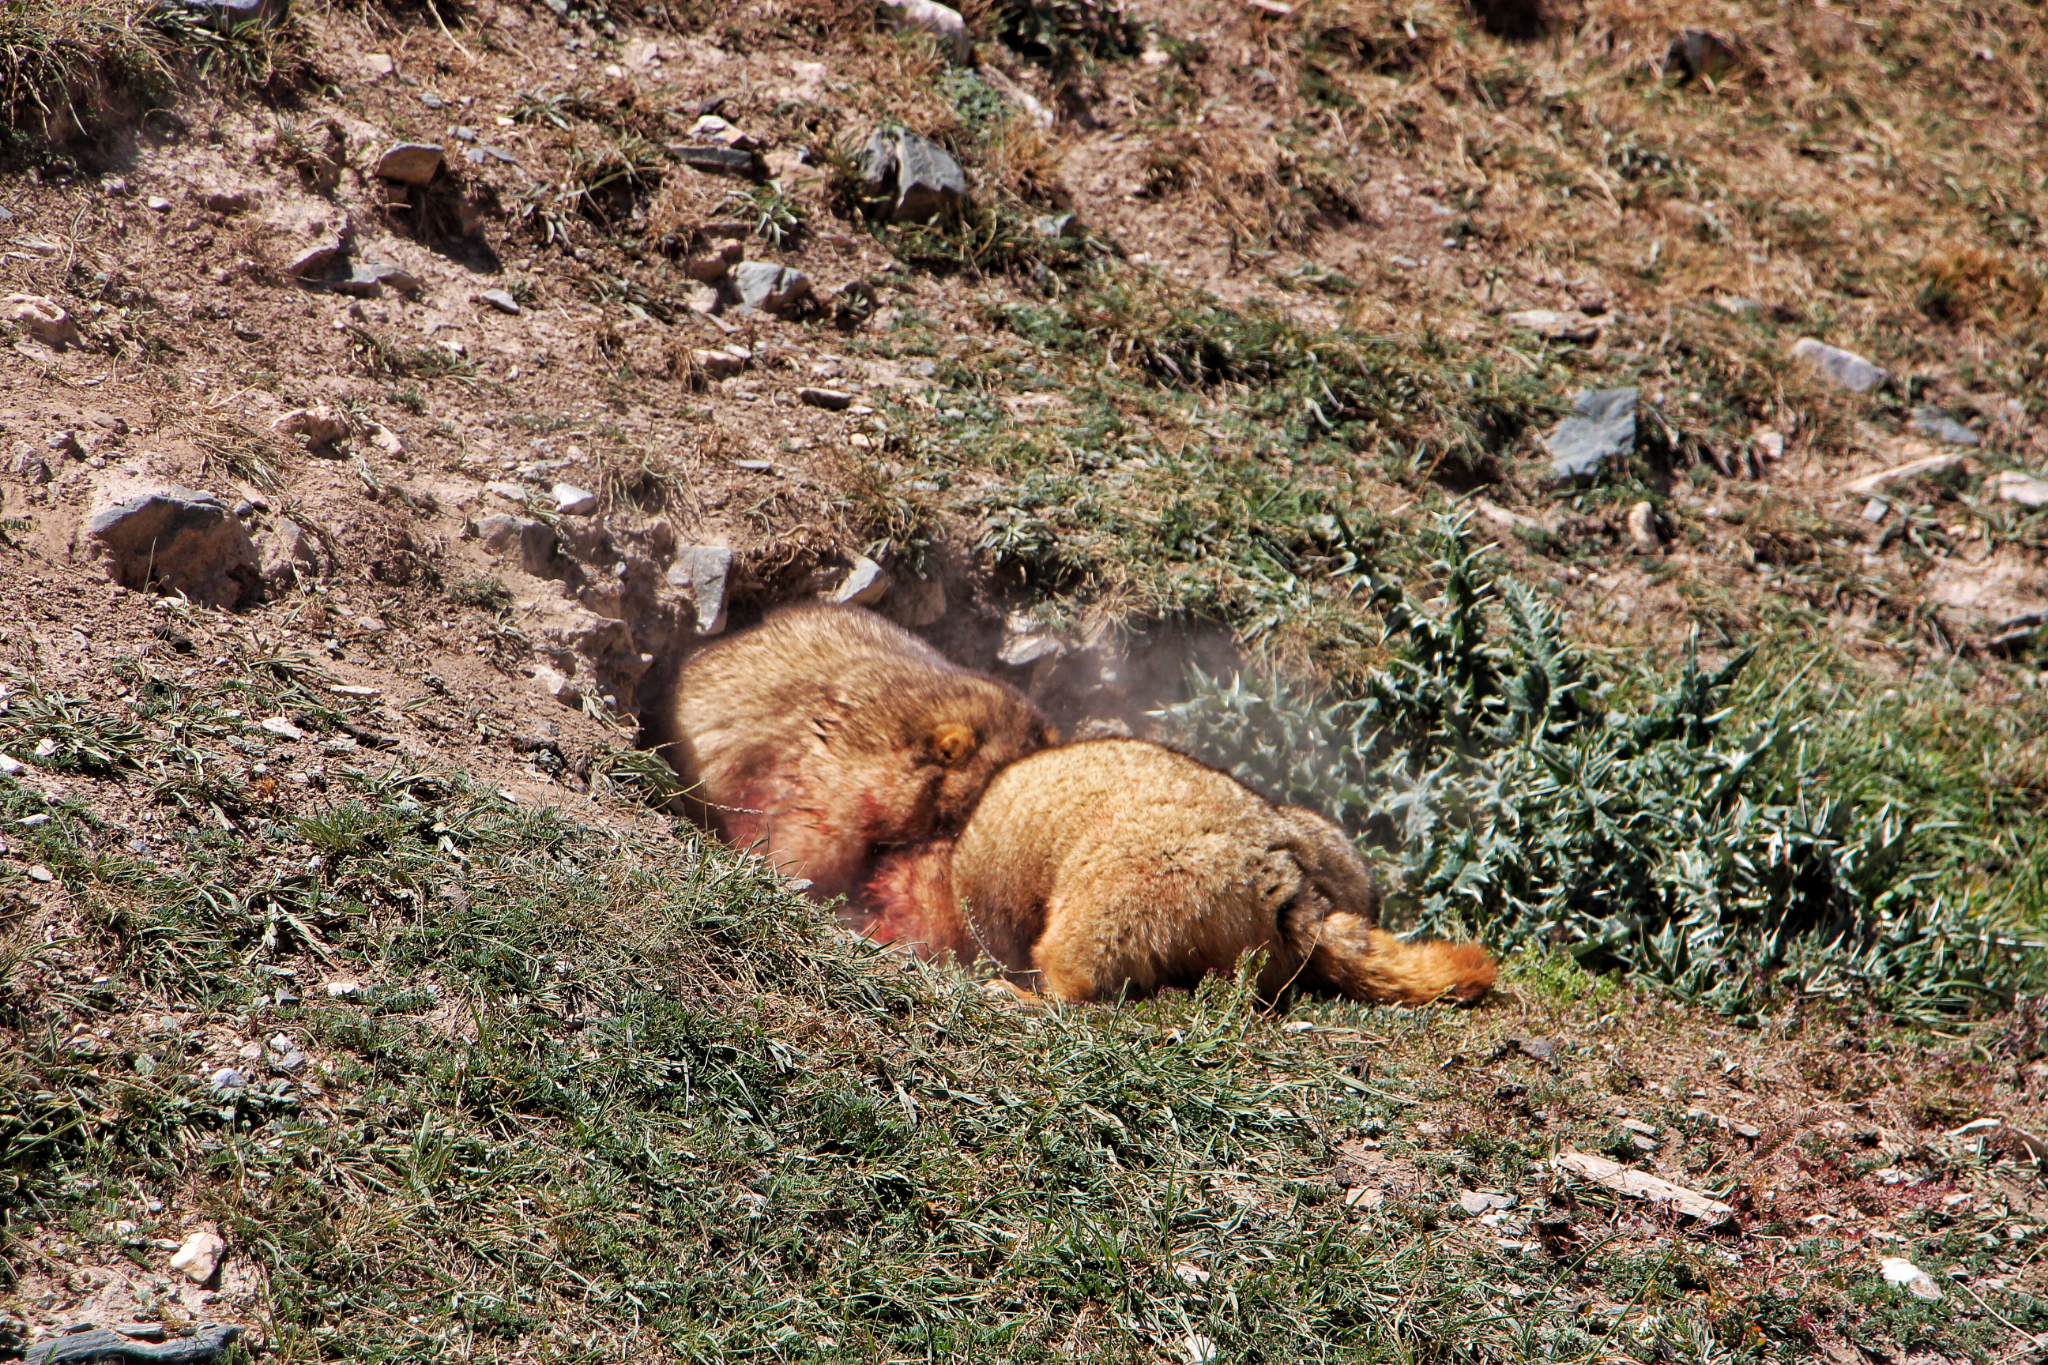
(1117, 864)
(826, 734)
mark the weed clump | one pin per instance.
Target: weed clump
(1726, 865)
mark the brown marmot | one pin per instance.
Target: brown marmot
(825, 735)
(1116, 864)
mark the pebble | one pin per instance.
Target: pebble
(1642, 529)
(39, 873)
(410, 163)
(1602, 427)
(199, 1257)
(863, 586)
(1843, 369)
(227, 1078)
(1935, 423)
(1476, 1202)
(10, 766)
(500, 300)
(2024, 489)
(341, 990)
(156, 203)
(1556, 326)
(829, 399)
(573, 501)
(33, 821)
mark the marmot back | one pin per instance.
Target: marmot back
(1118, 864)
(827, 734)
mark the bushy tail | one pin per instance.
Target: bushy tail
(1363, 963)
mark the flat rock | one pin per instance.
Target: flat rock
(769, 287)
(830, 399)
(864, 584)
(942, 22)
(174, 540)
(1555, 326)
(703, 571)
(573, 501)
(712, 266)
(1476, 1202)
(1938, 425)
(199, 1257)
(529, 542)
(227, 15)
(712, 157)
(1843, 369)
(41, 317)
(1928, 467)
(929, 182)
(500, 300)
(316, 263)
(410, 163)
(2013, 486)
(1602, 427)
(1641, 1185)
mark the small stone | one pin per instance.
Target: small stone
(716, 131)
(929, 182)
(506, 489)
(557, 685)
(379, 64)
(318, 261)
(385, 439)
(41, 317)
(410, 163)
(320, 426)
(1770, 445)
(200, 1256)
(1476, 1202)
(1197, 1349)
(39, 873)
(1938, 425)
(2013, 486)
(10, 766)
(573, 501)
(703, 571)
(156, 203)
(1643, 536)
(755, 466)
(478, 155)
(465, 134)
(175, 540)
(282, 728)
(432, 101)
(1843, 369)
(231, 201)
(1602, 427)
(292, 1062)
(830, 399)
(769, 287)
(251, 1052)
(713, 266)
(714, 158)
(719, 364)
(1555, 326)
(1899, 1271)
(864, 584)
(500, 300)
(942, 22)
(343, 989)
(532, 542)
(1698, 52)
(1876, 510)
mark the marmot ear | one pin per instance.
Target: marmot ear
(952, 742)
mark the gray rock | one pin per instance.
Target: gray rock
(767, 286)
(1843, 369)
(477, 156)
(1697, 52)
(500, 300)
(410, 163)
(864, 584)
(1602, 427)
(31, 468)
(710, 157)
(532, 543)
(703, 571)
(366, 280)
(177, 540)
(929, 183)
(942, 22)
(226, 15)
(42, 318)
(318, 262)
(85, 1344)
(912, 174)
(572, 501)
(285, 553)
(1935, 423)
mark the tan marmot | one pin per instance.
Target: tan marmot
(825, 735)
(1118, 865)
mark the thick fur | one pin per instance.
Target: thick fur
(1116, 865)
(826, 735)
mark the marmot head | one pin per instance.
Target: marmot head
(989, 728)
